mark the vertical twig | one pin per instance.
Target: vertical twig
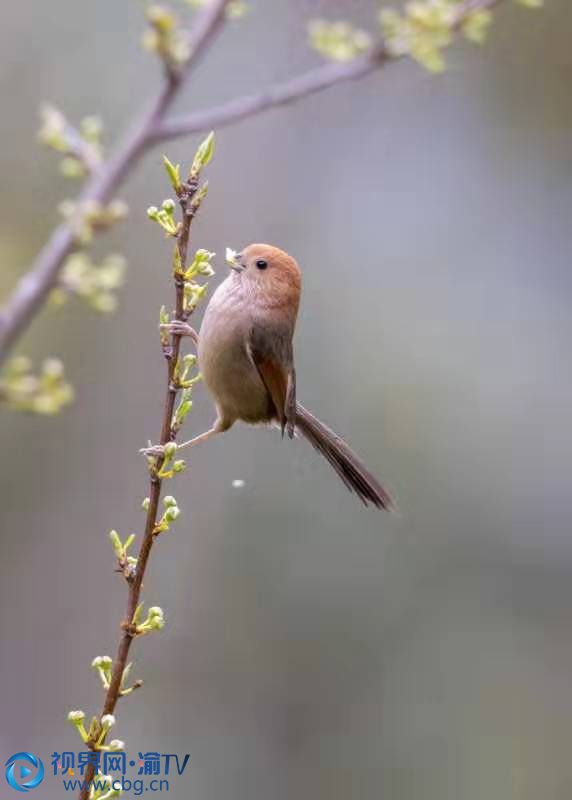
(189, 201)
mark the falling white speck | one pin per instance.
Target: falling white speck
(238, 484)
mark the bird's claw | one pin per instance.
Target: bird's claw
(179, 328)
(153, 451)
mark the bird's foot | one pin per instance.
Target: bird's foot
(179, 328)
(153, 451)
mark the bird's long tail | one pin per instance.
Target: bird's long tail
(346, 463)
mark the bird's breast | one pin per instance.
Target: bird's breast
(225, 361)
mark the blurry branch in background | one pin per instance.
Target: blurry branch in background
(35, 287)
(422, 31)
(297, 88)
(179, 383)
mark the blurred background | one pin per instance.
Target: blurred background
(314, 648)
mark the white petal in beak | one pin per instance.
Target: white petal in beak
(233, 260)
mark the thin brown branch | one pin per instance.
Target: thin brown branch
(34, 288)
(189, 202)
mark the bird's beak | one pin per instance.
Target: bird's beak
(233, 260)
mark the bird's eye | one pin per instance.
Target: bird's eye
(261, 263)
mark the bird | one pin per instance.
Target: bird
(246, 359)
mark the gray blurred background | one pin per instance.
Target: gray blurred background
(314, 649)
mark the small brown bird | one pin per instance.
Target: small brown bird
(247, 361)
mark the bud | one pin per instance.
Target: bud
(116, 543)
(53, 368)
(172, 513)
(71, 167)
(202, 193)
(156, 618)
(116, 744)
(91, 128)
(169, 501)
(174, 173)
(170, 449)
(204, 154)
(161, 18)
(476, 25)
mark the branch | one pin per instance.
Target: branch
(311, 82)
(34, 288)
(290, 91)
(190, 198)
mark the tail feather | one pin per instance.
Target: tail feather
(356, 477)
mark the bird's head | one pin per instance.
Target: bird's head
(269, 273)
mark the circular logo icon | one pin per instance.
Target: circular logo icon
(24, 771)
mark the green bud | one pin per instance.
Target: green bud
(169, 501)
(116, 744)
(206, 270)
(184, 409)
(168, 205)
(116, 543)
(53, 368)
(71, 167)
(201, 194)
(204, 154)
(76, 718)
(174, 173)
(476, 25)
(179, 466)
(19, 365)
(137, 614)
(172, 513)
(91, 128)
(161, 18)
(145, 504)
(170, 449)
(156, 618)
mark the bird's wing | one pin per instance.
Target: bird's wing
(271, 352)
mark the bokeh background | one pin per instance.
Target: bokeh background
(314, 648)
